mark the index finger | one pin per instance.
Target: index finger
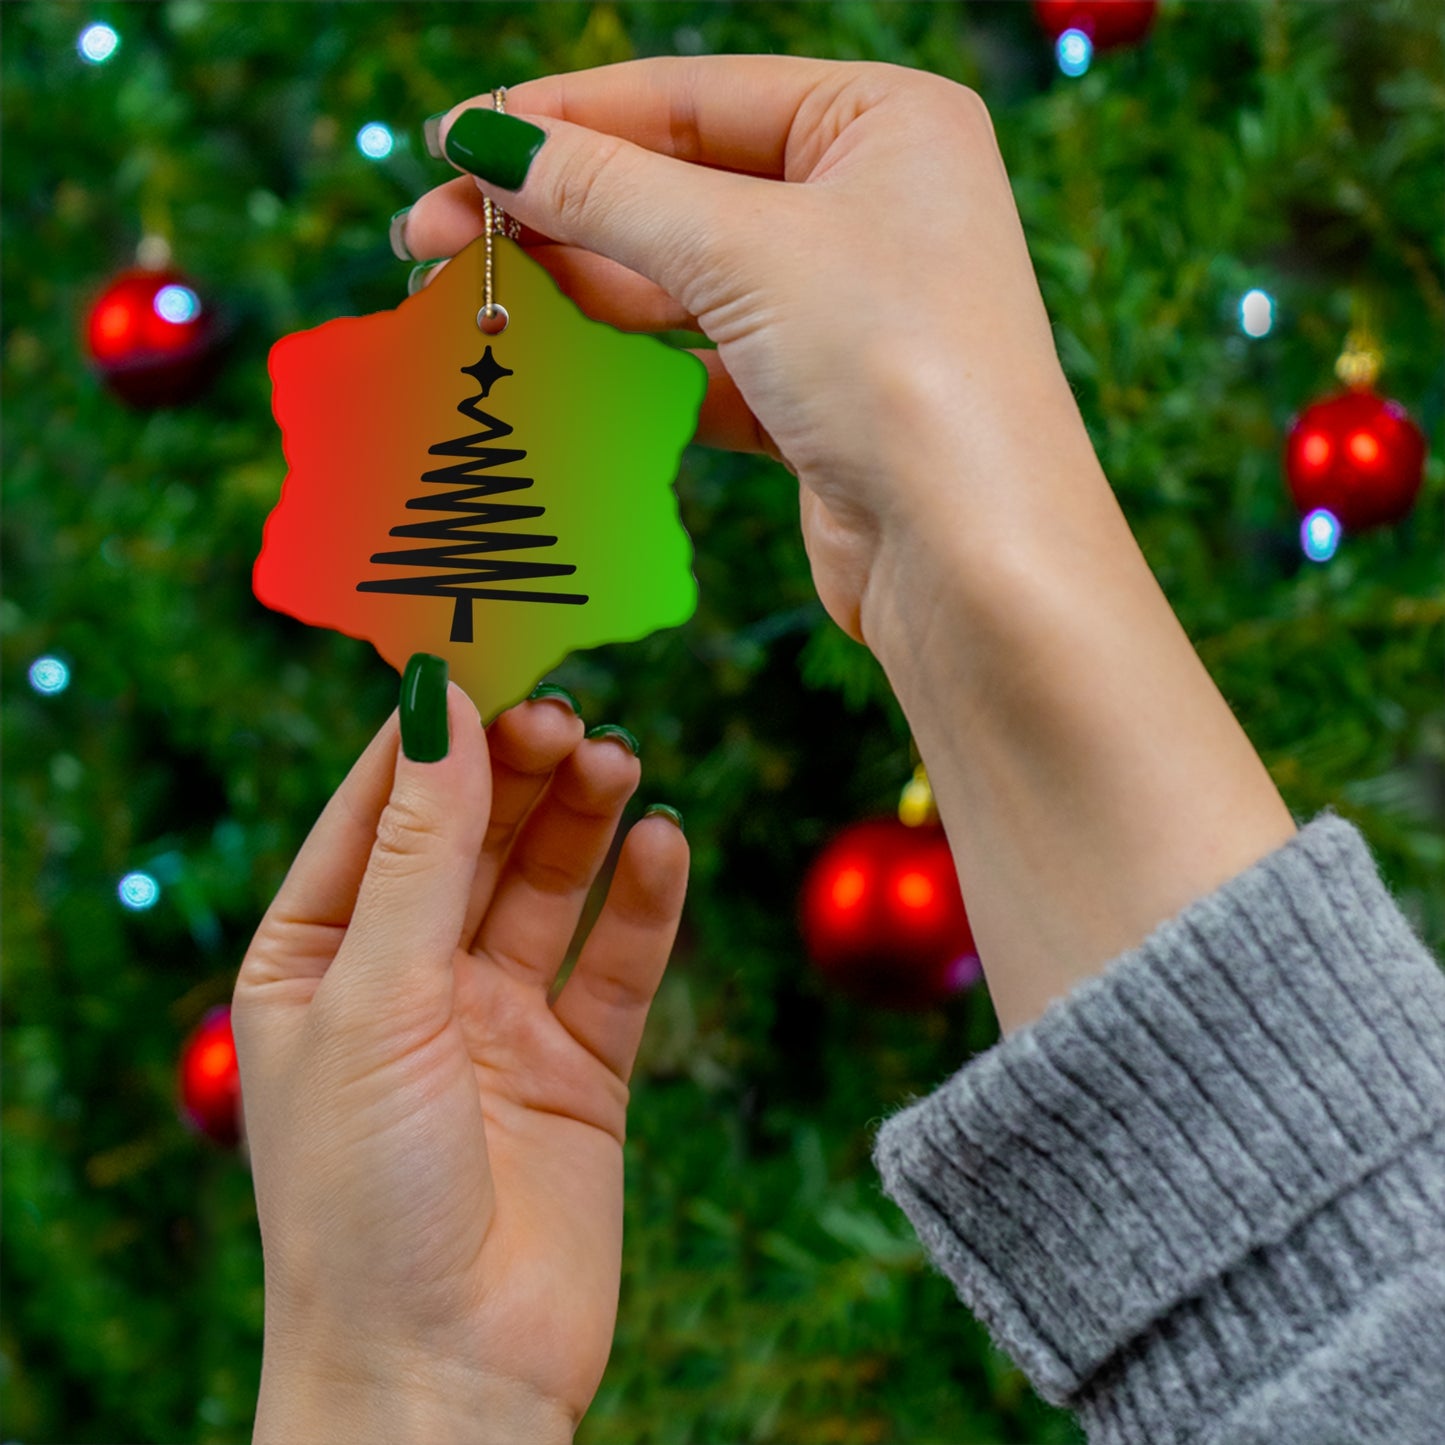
(733, 112)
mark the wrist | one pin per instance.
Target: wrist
(986, 520)
(985, 463)
(398, 1397)
(1092, 779)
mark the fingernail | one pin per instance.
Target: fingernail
(425, 736)
(498, 148)
(396, 229)
(416, 277)
(663, 810)
(612, 730)
(550, 689)
(431, 133)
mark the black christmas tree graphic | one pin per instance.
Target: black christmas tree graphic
(471, 581)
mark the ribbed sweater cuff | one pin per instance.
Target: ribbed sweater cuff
(1214, 1106)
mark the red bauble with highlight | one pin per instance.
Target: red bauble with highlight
(1107, 23)
(152, 338)
(1359, 456)
(883, 917)
(210, 1080)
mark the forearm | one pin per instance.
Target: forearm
(1091, 778)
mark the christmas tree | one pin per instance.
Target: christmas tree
(464, 542)
(168, 741)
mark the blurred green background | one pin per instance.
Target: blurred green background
(770, 1292)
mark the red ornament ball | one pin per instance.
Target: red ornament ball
(152, 338)
(1107, 23)
(210, 1080)
(883, 917)
(1357, 455)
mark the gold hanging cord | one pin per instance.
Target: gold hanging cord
(493, 318)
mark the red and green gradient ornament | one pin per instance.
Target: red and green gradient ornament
(496, 497)
(881, 912)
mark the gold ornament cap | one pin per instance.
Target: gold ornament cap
(1360, 362)
(915, 804)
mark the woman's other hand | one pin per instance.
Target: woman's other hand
(437, 1148)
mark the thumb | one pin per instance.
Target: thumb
(404, 931)
(666, 219)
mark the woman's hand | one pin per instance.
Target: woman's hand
(437, 1149)
(882, 299)
(847, 235)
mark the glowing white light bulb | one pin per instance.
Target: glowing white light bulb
(375, 141)
(1319, 535)
(1256, 313)
(138, 891)
(97, 43)
(49, 675)
(1074, 51)
(177, 304)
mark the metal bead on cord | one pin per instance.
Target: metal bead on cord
(492, 318)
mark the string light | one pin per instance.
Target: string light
(375, 141)
(1256, 313)
(1074, 51)
(1319, 535)
(97, 44)
(49, 675)
(138, 891)
(966, 969)
(177, 304)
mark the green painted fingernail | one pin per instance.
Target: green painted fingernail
(667, 812)
(498, 148)
(550, 689)
(396, 230)
(416, 277)
(425, 736)
(431, 133)
(612, 730)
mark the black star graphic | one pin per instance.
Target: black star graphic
(487, 371)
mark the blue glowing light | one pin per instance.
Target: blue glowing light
(97, 43)
(375, 141)
(1256, 313)
(49, 675)
(138, 890)
(965, 970)
(177, 304)
(1074, 51)
(1319, 535)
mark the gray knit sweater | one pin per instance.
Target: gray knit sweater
(1202, 1198)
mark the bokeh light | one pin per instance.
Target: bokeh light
(49, 675)
(915, 890)
(97, 43)
(1315, 450)
(1364, 448)
(178, 304)
(1319, 535)
(1075, 52)
(966, 969)
(138, 890)
(1256, 313)
(849, 887)
(375, 141)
